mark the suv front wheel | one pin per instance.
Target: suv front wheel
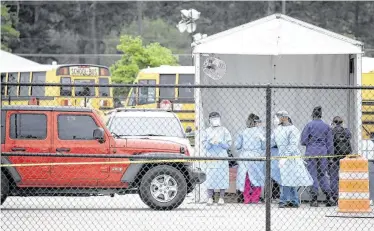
(163, 188)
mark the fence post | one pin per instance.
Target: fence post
(268, 160)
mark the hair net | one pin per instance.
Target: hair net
(252, 120)
(337, 120)
(214, 115)
(317, 112)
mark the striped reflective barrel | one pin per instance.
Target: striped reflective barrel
(354, 195)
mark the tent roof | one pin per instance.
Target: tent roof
(11, 61)
(277, 34)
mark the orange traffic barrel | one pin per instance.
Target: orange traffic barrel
(354, 194)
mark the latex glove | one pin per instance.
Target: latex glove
(214, 141)
(261, 137)
(224, 146)
(282, 163)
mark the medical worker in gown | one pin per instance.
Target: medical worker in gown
(251, 143)
(293, 172)
(216, 141)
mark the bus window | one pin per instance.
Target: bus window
(132, 99)
(24, 78)
(147, 95)
(168, 92)
(186, 94)
(12, 78)
(38, 77)
(65, 91)
(3, 80)
(103, 91)
(84, 91)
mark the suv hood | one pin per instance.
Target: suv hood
(183, 141)
(146, 144)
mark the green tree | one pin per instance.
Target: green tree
(137, 56)
(157, 30)
(8, 33)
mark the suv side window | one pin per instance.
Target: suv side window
(28, 126)
(76, 127)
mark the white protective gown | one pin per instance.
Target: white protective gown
(293, 172)
(217, 172)
(251, 143)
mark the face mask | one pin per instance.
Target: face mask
(215, 122)
(276, 121)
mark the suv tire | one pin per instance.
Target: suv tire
(4, 187)
(163, 188)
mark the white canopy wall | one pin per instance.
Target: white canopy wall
(279, 50)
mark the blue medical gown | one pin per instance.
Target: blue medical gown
(251, 143)
(293, 173)
(217, 172)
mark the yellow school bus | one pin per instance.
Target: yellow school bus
(100, 98)
(368, 98)
(178, 100)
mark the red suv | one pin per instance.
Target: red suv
(76, 131)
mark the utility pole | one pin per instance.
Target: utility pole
(139, 6)
(93, 33)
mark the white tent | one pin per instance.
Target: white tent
(9, 61)
(277, 35)
(279, 50)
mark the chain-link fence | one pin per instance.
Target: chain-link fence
(187, 157)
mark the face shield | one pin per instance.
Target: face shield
(258, 123)
(276, 121)
(281, 117)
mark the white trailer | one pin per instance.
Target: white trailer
(277, 50)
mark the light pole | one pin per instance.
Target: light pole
(188, 24)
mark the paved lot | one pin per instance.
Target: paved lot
(129, 213)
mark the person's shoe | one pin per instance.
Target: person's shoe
(221, 201)
(330, 203)
(314, 204)
(294, 205)
(288, 204)
(281, 206)
(210, 201)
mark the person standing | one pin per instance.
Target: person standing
(251, 143)
(342, 147)
(275, 172)
(293, 173)
(216, 141)
(318, 139)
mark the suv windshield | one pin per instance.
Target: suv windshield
(146, 126)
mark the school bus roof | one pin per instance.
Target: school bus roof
(367, 64)
(43, 67)
(164, 69)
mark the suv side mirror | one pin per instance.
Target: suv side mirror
(98, 134)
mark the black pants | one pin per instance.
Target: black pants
(275, 190)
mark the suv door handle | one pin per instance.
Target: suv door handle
(63, 149)
(18, 149)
